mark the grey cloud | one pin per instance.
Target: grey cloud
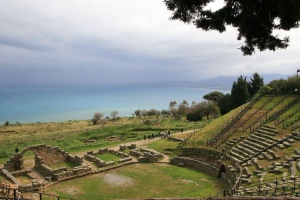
(108, 41)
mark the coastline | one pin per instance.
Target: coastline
(56, 104)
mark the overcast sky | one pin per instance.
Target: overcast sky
(121, 41)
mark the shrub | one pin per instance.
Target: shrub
(6, 123)
(3, 154)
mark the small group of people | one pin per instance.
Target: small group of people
(164, 134)
(150, 137)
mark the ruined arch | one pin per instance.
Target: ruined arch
(43, 154)
(222, 170)
(29, 158)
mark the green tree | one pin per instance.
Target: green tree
(224, 104)
(144, 113)
(152, 112)
(213, 96)
(165, 113)
(6, 123)
(138, 113)
(255, 20)
(208, 108)
(183, 107)
(255, 83)
(239, 92)
(173, 109)
(194, 113)
(285, 86)
(97, 117)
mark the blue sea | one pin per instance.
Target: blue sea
(29, 104)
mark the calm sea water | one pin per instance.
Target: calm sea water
(26, 104)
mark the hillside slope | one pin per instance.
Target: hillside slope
(264, 140)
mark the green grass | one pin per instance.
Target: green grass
(162, 145)
(143, 181)
(70, 136)
(108, 157)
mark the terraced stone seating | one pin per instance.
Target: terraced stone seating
(256, 144)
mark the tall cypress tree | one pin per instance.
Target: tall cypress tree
(239, 92)
(255, 84)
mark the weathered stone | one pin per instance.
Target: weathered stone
(122, 147)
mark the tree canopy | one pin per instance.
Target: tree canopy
(255, 84)
(239, 92)
(213, 96)
(255, 20)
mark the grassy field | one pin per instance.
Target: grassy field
(80, 136)
(140, 181)
(164, 146)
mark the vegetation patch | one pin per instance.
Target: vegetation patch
(107, 157)
(66, 164)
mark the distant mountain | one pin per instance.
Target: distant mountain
(225, 82)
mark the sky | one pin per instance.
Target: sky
(120, 42)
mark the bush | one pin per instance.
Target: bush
(3, 154)
(194, 116)
(6, 123)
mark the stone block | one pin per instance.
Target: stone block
(103, 150)
(132, 146)
(110, 163)
(124, 160)
(122, 147)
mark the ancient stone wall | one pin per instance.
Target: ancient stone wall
(206, 153)
(184, 161)
(45, 156)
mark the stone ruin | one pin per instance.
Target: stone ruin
(90, 156)
(146, 155)
(44, 156)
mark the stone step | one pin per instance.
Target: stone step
(245, 145)
(286, 144)
(247, 150)
(261, 141)
(268, 139)
(269, 129)
(273, 154)
(290, 140)
(267, 156)
(254, 144)
(272, 138)
(258, 167)
(296, 157)
(263, 132)
(297, 138)
(237, 157)
(242, 153)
